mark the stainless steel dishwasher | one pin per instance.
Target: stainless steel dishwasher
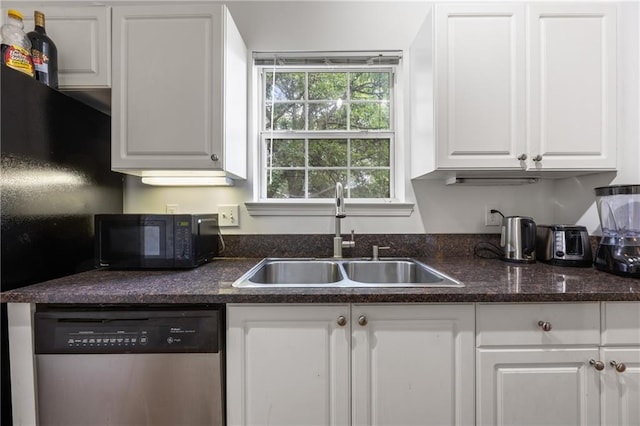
(133, 366)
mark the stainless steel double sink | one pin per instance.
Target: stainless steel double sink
(385, 272)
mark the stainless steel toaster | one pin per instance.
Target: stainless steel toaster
(566, 245)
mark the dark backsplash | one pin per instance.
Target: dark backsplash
(401, 245)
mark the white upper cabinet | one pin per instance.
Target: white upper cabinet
(480, 75)
(572, 86)
(179, 91)
(514, 89)
(82, 36)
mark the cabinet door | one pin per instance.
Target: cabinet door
(412, 365)
(287, 365)
(82, 36)
(166, 86)
(537, 387)
(572, 88)
(621, 389)
(480, 85)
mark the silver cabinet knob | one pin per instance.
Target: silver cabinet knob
(620, 367)
(342, 321)
(598, 365)
(522, 157)
(537, 158)
(546, 326)
(214, 157)
(362, 320)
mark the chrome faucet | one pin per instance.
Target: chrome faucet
(338, 244)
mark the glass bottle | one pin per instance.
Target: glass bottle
(44, 53)
(15, 45)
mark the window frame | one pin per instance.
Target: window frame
(395, 205)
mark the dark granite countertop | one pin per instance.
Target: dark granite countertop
(486, 280)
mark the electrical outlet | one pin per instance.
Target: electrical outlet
(228, 215)
(491, 219)
(171, 209)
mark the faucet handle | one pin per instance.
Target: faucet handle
(375, 251)
(351, 243)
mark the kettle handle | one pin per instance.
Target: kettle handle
(528, 236)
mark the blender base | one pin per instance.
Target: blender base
(619, 260)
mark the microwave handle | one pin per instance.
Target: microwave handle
(204, 221)
(215, 224)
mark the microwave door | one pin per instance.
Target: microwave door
(135, 243)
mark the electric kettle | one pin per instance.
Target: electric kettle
(518, 239)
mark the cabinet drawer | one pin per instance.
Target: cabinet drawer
(524, 324)
(620, 323)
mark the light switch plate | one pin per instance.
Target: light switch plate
(228, 215)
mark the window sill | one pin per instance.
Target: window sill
(324, 208)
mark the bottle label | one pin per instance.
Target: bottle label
(40, 61)
(19, 59)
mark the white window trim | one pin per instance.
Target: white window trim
(324, 207)
(391, 207)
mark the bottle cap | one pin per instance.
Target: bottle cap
(12, 13)
(38, 18)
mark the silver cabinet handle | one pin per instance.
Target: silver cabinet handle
(620, 367)
(362, 320)
(522, 157)
(598, 365)
(214, 157)
(342, 321)
(537, 158)
(546, 326)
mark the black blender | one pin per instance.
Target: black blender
(619, 211)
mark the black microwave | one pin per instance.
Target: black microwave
(155, 241)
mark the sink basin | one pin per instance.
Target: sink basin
(294, 273)
(396, 273)
(393, 272)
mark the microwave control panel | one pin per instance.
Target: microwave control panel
(182, 240)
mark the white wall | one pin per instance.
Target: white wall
(439, 208)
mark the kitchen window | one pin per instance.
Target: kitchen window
(327, 118)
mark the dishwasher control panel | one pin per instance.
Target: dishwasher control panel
(127, 332)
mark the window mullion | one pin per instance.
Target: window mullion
(348, 183)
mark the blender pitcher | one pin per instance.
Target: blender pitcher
(619, 211)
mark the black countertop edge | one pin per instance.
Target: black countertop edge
(334, 298)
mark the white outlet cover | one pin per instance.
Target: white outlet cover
(492, 219)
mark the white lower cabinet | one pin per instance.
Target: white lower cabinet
(287, 365)
(534, 364)
(621, 386)
(537, 387)
(412, 364)
(415, 364)
(392, 364)
(620, 357)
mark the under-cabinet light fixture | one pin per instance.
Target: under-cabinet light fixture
(187, 181)
(482, 181)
